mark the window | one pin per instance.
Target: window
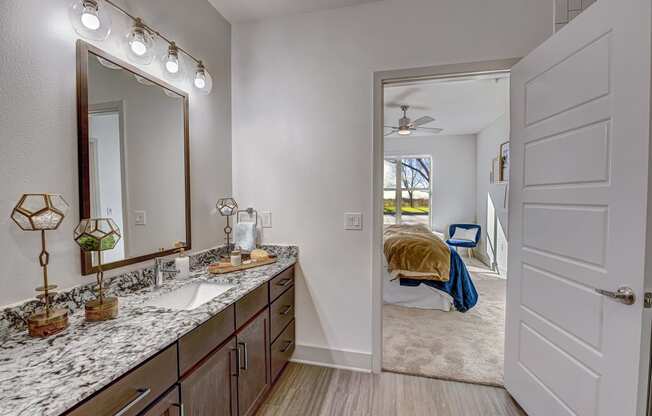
(407, 190)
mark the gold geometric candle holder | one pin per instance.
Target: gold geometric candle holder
(43, 212)
(96, 235)
(227, 207)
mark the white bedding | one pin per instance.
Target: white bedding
(422, 296)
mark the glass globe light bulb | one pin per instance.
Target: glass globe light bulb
(137, 45)
(172, 64)
(89, 18)
(200, 79)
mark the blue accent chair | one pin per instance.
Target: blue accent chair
(468, 244)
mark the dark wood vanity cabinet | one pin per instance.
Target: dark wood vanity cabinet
(211, 389)
(254, 360)
(224, 367)
(168, 405)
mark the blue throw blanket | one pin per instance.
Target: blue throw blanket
(459, 286)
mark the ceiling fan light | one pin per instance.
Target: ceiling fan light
(404, 131)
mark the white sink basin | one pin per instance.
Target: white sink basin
(190, 296)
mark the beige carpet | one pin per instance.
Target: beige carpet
(458, 346)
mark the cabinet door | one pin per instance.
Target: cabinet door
(253, 350)
(168, 405)
(211, 388)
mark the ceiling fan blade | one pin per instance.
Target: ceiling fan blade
(398, 104)
(390, 133)
(430, 129)
(422, 120)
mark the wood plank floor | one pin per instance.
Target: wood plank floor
(305, 390)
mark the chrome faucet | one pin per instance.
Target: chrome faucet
(159, 270)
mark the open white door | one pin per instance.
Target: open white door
(580, 126)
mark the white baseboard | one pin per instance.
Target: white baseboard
(325, 357)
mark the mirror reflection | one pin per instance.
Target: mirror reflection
(136, 162)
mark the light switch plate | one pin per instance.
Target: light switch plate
(141, 218)
(353, 221)
(267, 219)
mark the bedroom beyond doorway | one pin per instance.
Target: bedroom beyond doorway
(445, 172)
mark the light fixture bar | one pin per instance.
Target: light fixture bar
(151, 29)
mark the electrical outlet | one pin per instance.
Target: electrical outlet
(353, 221)
(141, 218)
(267, 219)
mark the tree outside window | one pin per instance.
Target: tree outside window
(409, 188)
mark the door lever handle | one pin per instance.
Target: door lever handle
(623, 295)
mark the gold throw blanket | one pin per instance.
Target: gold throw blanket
(415, 252)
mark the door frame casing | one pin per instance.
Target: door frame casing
(382, 78)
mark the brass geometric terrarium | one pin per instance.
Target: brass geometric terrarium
(227, 207)
(43, 212)
(98, 235)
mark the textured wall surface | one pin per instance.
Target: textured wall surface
(302, 130)
(38, 128)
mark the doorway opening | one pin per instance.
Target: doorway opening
(107, 171)
(444, 144)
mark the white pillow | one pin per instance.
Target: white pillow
(465, 234)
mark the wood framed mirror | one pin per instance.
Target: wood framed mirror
(134, 158)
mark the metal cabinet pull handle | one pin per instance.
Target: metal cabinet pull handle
(287, 346)
(284, 282)
(286, 311)
(141, 395)
(181, 409)
(623, 295)
(237, 361)
(245, 362)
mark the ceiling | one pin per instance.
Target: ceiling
(461, 106)
(246, 10)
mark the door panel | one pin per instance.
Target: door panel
(210, 389)
(580, 117)
(254, 380)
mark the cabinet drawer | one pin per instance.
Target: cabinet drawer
(135, 390)
(282, 350)
(202, 340)
(247, 307)
(168, 405)
(281, 283)
(282, 312)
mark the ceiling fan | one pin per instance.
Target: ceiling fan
(406, 126)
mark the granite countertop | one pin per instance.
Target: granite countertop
(49, 376)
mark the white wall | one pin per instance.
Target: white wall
(302, 130)
(453, 174)
(491, 209)
(38, 127)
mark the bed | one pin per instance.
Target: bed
(421, 271)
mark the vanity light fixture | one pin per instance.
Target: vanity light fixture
(90, 19)
(141, 43)
(172, 59)
(203, 80)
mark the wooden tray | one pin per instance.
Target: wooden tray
(221, 268)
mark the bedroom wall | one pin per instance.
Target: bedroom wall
(453, 174)
(38, 145)
(302, 134)
(491, 206)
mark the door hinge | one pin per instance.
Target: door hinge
(647, 300)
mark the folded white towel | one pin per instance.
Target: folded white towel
(244, 235)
